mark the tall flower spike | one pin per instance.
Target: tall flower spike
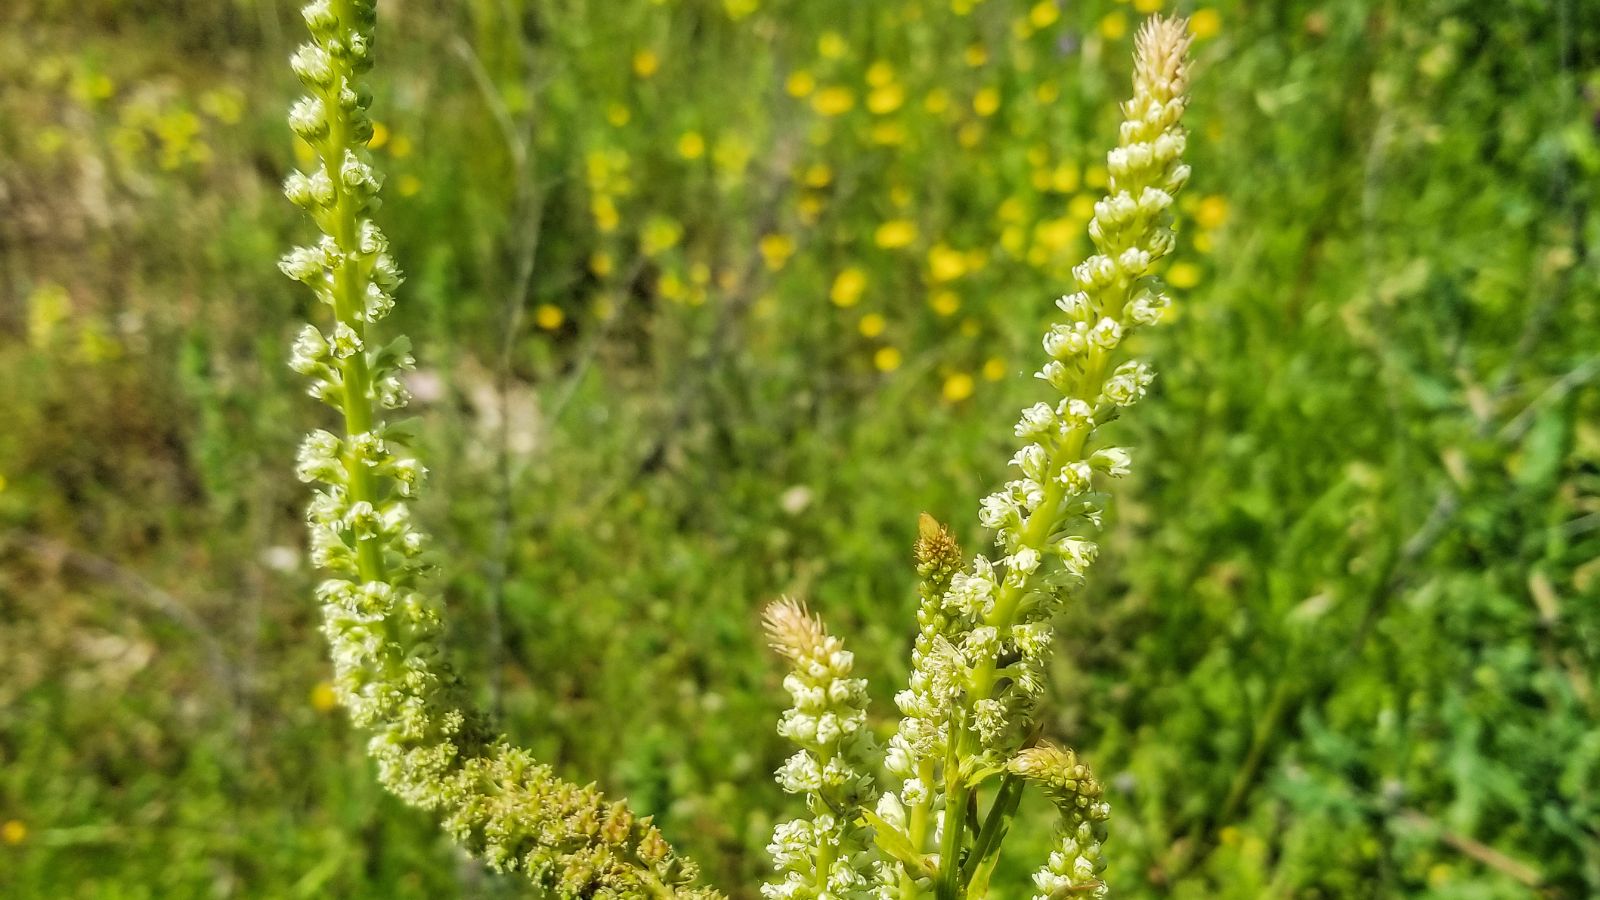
(825, 856)
(380, 616)
(978, 667)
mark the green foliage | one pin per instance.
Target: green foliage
(1297, 677)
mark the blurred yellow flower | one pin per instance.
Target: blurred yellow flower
(601, 263)
(408, 185)
(987, 101)
(738, 9)
(1205, 23)
(848, 287)
(887, 359)
(1065, 178)
(945, 303)
(833, 101)
(1044, 14)
(937, 101)
(945, 263)
(1012, 209)
(1212, 212)
(606, 217)
(1047, 91)
(1114, 26)
(776, 250)
(900, 195)
(1147, 6)
(549, 316)
(1096, 176)
(700, 273)
(1081, 207)
(958, 386)
(672, 287)
(889, 134)
(976, 55)
(818, 175)
(872, 325)
(691, 145)
(618, 115)
(831, 45)
(969, 135)
(400, 147)
(962, 7)
(994, 369)
(880, 74)
(323, 699)
(1183, 275)
(660, 234)
(886, 99)
(13, 832)
(380, 136)
(895, 234)
(646, 63)
(800, 83)
(810, 209)
(1203, 243)
(1056, 235)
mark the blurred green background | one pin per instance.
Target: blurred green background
(712, 298)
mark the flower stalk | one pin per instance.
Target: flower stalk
(380, 614)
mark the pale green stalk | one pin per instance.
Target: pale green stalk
(380, 615)
(978, 665)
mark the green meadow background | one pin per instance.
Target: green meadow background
(712, 298)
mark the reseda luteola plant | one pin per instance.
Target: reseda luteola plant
(968, 726)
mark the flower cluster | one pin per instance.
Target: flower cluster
(1075, 865)
(978, 666)
(379, 616)
(824, 856)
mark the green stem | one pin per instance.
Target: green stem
(986, 849)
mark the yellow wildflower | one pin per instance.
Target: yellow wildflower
(886, 99)
(1081, 207)
(800, 83)
(618, 115)
(937, 101)
(606, 217)
(408, 185)
(400, 146)
(1044, 14)
(889, 134)
(848, 287)
(887, 359)
(1212, 212)
(833, 101)
(1183, 275)
(1147, 6)
(1114, 26)
(691, 145)
(895, 234)
(945, 263)
(660, 234)
(1065, 178)
(549, 316)
(1095, 176)
(958, 386)
(946, 303)
(646, 63)
(831, 45)
(880, 74)
(380, 136)
(818, 175)
(976, 55)
(872, 325)
(601, 263)
(776, 250)
(986, 102)
(323, 699)
(994, 369)
(13, 832)
(1047, 91)
(969, 135)
(1205, 24)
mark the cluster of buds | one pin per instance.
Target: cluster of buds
(1075, 865)
(381, 620)
(823, 856)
